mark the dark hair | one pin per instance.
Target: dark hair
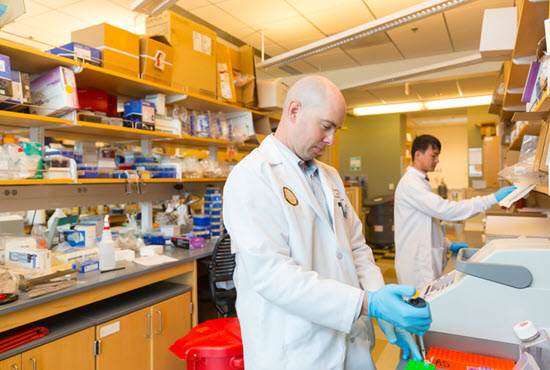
(423, 142)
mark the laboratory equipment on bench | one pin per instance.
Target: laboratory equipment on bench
(491, 290)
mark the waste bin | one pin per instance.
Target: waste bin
(212, 345)
(379, 220)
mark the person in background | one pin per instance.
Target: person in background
(307, 284)
(420, 244)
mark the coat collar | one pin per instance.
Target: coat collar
(276, 153)
(416, 172)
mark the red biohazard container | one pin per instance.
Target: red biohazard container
(212, 345)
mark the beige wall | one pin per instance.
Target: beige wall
(453, 160)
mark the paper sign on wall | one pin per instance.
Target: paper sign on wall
(355, 163)
(202, 43)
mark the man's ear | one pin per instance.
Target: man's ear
(293, 109)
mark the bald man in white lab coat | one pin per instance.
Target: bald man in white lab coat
(307, 285)
(420, 244)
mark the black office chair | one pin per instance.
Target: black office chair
(221, 269)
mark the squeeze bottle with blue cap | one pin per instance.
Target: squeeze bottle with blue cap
(106, 248)
(535, 342)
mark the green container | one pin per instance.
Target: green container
(419, 365)
(34, 149)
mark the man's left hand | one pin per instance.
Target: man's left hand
(456, 246)
(401, 338)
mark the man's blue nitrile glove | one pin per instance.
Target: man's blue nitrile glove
(387, 304)
(456, 246)
(503, 192)
(400, 337)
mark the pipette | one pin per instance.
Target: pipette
(420, 302)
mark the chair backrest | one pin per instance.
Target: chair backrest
(223, 262)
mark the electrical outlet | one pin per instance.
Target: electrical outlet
(391, 186)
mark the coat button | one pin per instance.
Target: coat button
(352, 340)
(339, 255)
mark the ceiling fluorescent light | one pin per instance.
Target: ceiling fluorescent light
(383, 24)
(460, 102)
(429, 105)
(441, 120)
(152, 7)
(390, 108)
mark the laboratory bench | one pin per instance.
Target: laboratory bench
(101, 304)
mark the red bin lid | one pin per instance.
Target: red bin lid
(213, 338)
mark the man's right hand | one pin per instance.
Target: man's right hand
(387, 304)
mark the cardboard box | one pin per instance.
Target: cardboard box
(119, 48)
(226, 87)
(271, 94)
(242, 61)
(194, 48)
(141, 113)
(490, 161)
(6, 91)
(20, 91)
(78, 51)
(54, 93)
(155, 59)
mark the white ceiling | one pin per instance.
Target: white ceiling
(288, 24)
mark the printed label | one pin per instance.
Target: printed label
(206, 45)
(81, 53)
(197, 41)
(378, 228)
(109, 329)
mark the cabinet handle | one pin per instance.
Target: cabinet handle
(33, 363)
(148, 326)
(160, 322)
(14, 367)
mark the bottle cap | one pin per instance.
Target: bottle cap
(525, 330)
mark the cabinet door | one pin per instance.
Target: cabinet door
(75, 351)
(12, 363)
(171, 321)
(126, 342)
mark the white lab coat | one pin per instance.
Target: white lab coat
(298, 282)
(420, 245)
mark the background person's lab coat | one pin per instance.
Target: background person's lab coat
(298, 282)
(420, 245)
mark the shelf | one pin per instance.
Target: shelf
(14, 120)
(36, 182)
(26, 59)
(544, 103)
(530, 128)
(101, 132)
(530, 30)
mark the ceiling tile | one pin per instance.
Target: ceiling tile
(480, 85)
(375, 54)
(45, 37)
(33, 8)
(192, 4)
(221, 19)
(328, 18)
(126, 4)
(381, 8)
(358, 98)
(436, 90)
(54, 22)
(332, 59)
(292, 32)
(303, 67)
(56, 4)
(465, 22)
(430, 38)
(393, 94)
(257, 14)
(102, 11)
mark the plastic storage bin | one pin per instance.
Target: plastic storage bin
(212, 345)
